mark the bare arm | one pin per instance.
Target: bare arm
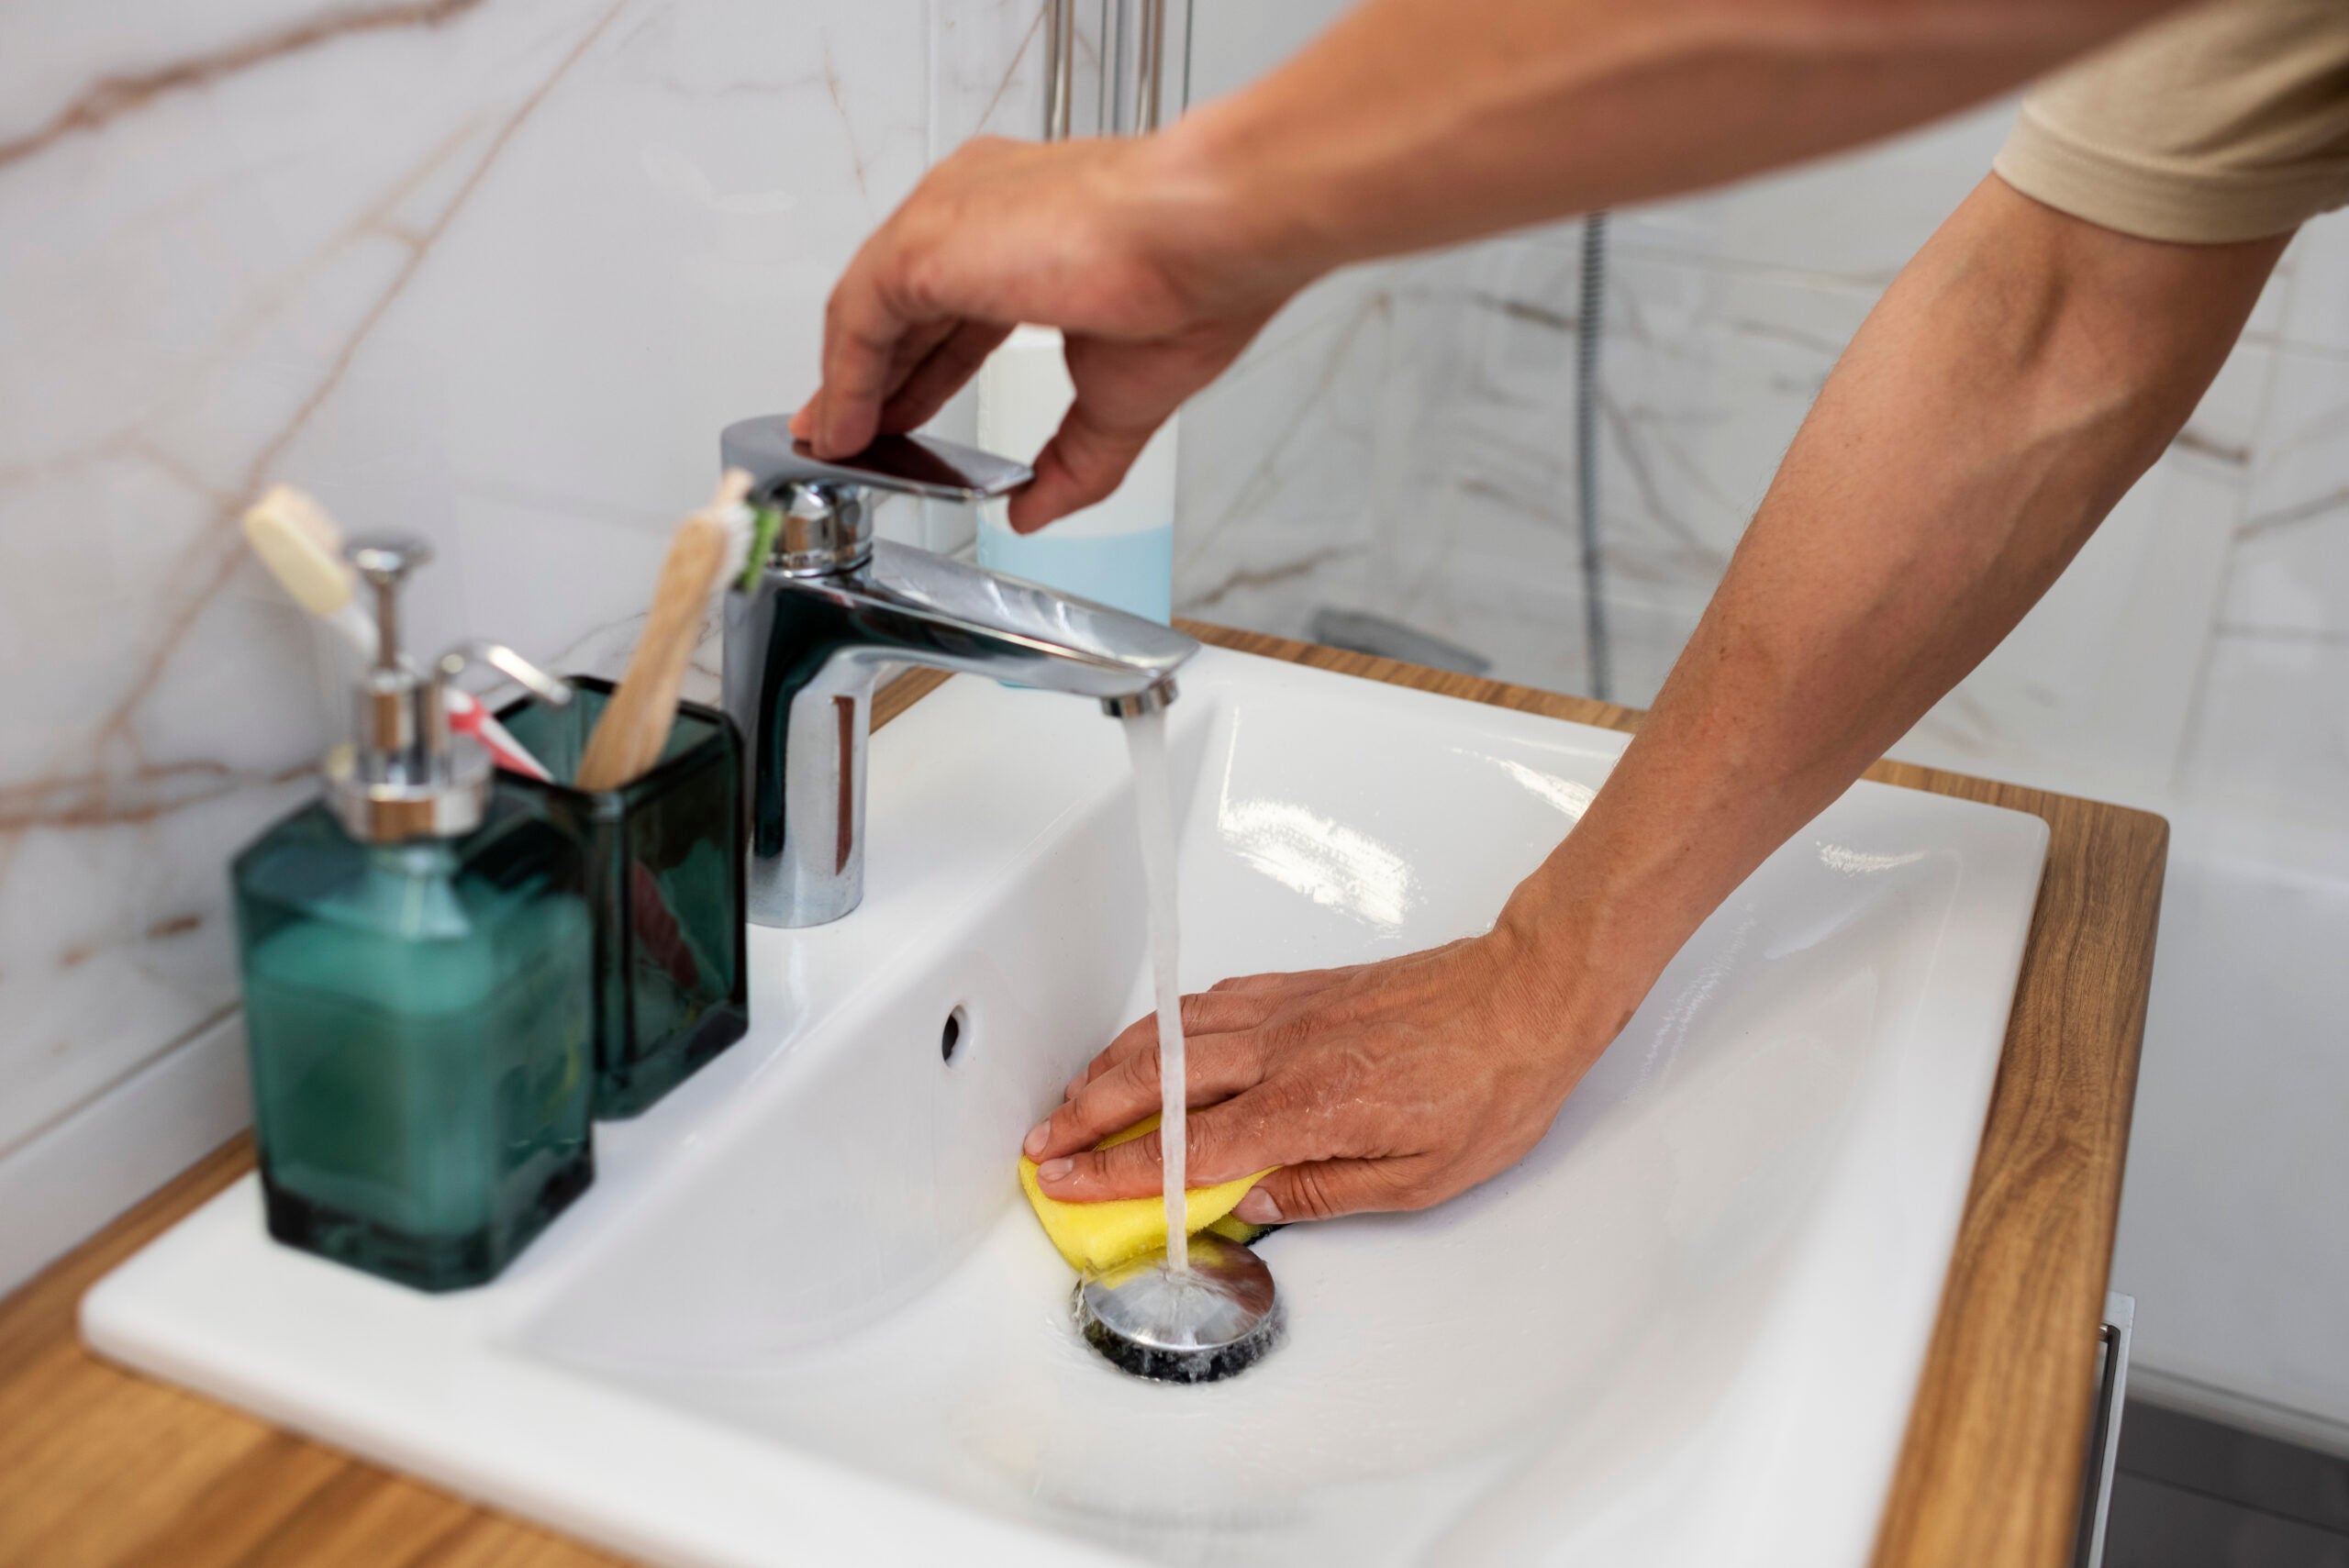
(1415, 123)
(1411, 123)
(2019, 374)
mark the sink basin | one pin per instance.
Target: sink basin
(804, 1316)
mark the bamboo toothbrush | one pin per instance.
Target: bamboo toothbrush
(708, 547)
(303, 550)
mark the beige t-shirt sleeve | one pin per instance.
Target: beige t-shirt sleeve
(2226, 121)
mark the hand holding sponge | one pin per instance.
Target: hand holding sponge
(1095, 1237)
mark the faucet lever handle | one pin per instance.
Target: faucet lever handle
(901, 465)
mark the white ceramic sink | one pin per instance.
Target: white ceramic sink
(802, 1316)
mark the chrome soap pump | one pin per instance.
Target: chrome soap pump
(416, 961)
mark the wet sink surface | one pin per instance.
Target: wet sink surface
(804, 1316)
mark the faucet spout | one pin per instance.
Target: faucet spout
(949, 614)
(832, 606)
(803, 653)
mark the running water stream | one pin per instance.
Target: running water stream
(1153, 807)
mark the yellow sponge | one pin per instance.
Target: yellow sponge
(1093, 1237)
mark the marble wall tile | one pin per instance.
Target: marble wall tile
(2317, 316)
(2272, 739)
(1391, 444)
(2271, 735)
(495, 275)
(1232, 42)
(1854, 218)
(2291, 553)
(1409, 452)
(1706, 373)
(1275, 460)
(1429, 474)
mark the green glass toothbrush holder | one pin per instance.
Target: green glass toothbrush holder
(665, 864)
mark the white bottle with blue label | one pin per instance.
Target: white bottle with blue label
(1118, 552)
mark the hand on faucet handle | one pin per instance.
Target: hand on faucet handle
(1104, 238)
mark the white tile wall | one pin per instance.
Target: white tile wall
(492, 274)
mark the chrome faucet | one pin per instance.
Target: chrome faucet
(832, 606)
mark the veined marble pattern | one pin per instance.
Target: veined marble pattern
(2273, 723)
(1400, 442)
(495, 271)
(1429, 476)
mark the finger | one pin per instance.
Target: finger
(950, 362)
(1242, 1002)
(1223, 1141)
(1140, 1035)
(1215, 1067)
(862, 333)
(1293, 982)
(1327, 1188)
(1204, 1013)
(1083, 463)
(915, 348)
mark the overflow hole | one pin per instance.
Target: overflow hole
(952, 1035)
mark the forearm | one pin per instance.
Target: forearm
(2021, 373)
(1415, 123)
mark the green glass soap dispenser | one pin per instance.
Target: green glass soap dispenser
(419, 989)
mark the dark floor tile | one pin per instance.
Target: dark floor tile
(2157, 1526)
(2261, 1473)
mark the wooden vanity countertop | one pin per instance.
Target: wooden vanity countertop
(103, 1468)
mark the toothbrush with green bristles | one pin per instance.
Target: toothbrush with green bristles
(766, 525)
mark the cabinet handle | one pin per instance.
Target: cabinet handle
(2104, 1429)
